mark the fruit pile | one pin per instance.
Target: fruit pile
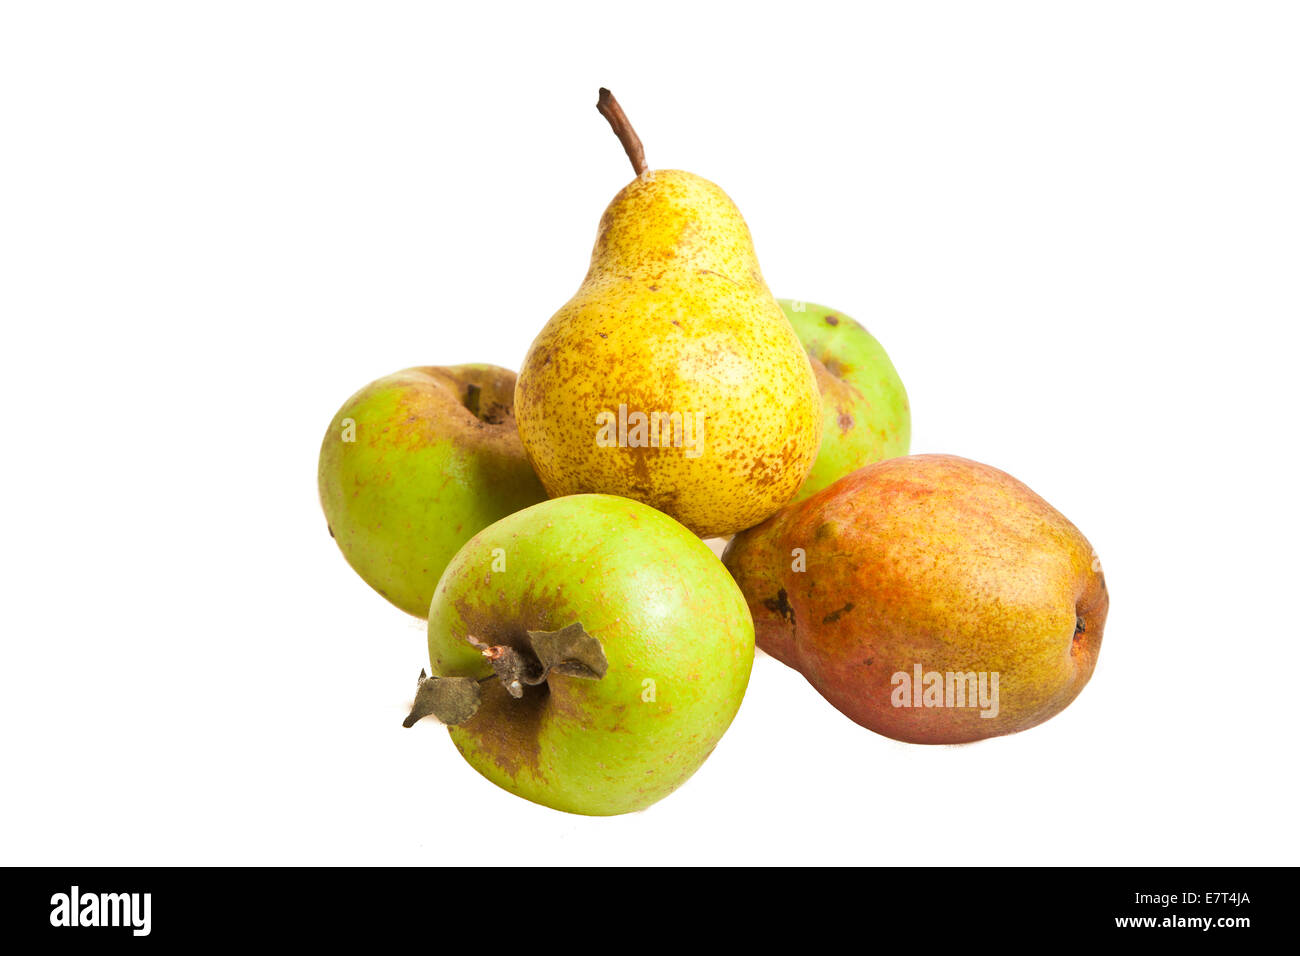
(587, 649)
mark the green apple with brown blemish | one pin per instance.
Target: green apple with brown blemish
(414, 465)
(588, 653)
(865, 412)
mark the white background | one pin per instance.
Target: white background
(1076, 228)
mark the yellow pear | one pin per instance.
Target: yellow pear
(672, 376)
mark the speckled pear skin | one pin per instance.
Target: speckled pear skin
(932, 560)
(673, 316)
(423, 474)
(675, 631)
(865, 412)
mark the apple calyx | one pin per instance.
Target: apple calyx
(570, 651)
(512, 668)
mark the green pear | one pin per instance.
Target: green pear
(865, 412)
(672, 375)
(414, 465)
(588, 652)
(930, 598)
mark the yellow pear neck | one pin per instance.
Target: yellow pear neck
(669, 220)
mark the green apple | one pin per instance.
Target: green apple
(414, 465)
(865, 414)
(589, 651)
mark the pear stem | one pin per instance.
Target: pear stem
(612, 112)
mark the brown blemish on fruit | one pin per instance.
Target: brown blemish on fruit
(835, 615)
(832, 320)
(845, 421)
(507, 729)
(781, 605)
(710, 272)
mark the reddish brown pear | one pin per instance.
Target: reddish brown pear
(929, 598)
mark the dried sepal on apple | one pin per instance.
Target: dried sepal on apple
(570, 651)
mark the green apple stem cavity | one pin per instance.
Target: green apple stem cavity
(570, 651)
